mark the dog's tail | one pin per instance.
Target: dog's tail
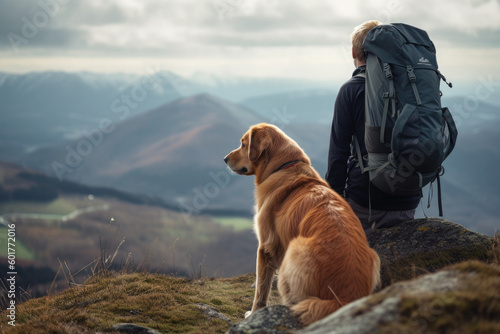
(313, 309)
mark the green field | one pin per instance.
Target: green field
(238, 223)
(59, 206)
(153, 237)
(22, 252)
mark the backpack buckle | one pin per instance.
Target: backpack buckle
(411, 74)
(387, 71)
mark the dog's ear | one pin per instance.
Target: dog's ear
(257, 142)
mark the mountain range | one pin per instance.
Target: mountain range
(174, 151)
(43, 109)
(171, 144)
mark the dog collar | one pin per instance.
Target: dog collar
(288, 165)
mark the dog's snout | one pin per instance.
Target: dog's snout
(226, 159)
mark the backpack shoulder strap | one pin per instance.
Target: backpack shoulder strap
(359, 156)
(355, 140)
(358, 152)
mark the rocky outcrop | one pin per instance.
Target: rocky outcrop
(454, 300)
(419, 295)
(419, 246)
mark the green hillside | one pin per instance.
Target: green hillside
(78, 224)
(22, 252)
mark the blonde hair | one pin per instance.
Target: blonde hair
(358, 36)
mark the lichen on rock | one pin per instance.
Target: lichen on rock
(418, 294)
(458, 299)
(277, 319)
(425, 245)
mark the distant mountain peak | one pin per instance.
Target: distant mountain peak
(204, 97)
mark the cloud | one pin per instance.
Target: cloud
(92, 13)
(11, 13)
(242, 33)
(135, 25)
(464, 16)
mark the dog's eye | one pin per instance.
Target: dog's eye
(242, 145)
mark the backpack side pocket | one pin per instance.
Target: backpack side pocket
(406, 131)
(450, 132)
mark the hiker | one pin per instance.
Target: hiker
(374, 208)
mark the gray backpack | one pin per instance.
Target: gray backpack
(407, 132)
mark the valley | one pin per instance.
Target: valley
(67, 236)
(88, 170)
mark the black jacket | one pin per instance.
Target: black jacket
(344, 174)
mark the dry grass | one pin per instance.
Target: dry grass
(156, 301)
(133, 295)
(167, 304)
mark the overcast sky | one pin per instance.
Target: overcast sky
(263, 38)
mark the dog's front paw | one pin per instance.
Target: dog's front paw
(247, 314)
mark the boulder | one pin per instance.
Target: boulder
(463, 298)
(277, 319)
(459, 299)
(211, 312)
(417, 296)
(425, 245)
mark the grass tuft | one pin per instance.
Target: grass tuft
(131, 294)
(152, 300)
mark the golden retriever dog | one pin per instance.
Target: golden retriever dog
(306, 231)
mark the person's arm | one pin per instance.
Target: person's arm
(340, 142)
